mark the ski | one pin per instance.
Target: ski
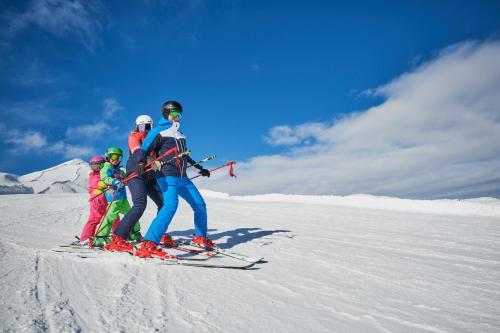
(185, 253)
(185, 248)
(182, 262)
(239, 256)
(182, 253)
(243, 265)
(234, 264)
(84, 252)
(76, 249)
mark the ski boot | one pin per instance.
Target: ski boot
(204, 242)
(119, 244)
(168, 241)
(149, 249)
(99, 241)
(80, 243)
(135, 237)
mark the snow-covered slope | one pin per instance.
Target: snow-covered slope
(9, 184)
(69, 177)
(330, 267)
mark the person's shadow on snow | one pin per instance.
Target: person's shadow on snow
(234, 237)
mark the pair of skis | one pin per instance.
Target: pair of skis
(190, 255)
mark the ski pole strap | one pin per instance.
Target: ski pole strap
(229, 164)
(231, 171)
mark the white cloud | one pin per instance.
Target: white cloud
(111, 106)
(305, 134)
(27, 141)
(36, 143)
(61, 18)
(90, 132)
(71, 151)
(436, 135)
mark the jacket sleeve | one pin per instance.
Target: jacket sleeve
(106, 174)
(134, 142)
(193, 162)
(149, 145)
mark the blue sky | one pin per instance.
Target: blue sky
(250, 74)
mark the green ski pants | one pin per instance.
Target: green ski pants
(117, 207)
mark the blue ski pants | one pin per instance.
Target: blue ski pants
(171, 188)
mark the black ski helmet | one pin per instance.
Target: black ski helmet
(170, 106)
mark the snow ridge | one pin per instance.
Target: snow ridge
(9, 184)
(467, 207)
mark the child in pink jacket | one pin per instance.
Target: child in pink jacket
(98, 203)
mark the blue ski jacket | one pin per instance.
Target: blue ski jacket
(160, 139)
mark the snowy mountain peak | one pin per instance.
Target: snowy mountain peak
(75, 161)
(68, 177)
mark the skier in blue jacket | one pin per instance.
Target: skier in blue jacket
(173, 182)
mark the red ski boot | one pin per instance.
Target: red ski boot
(119, 244)
(149, 249)
(168, 241)
(205, 242)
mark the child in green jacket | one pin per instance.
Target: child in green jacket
(116, 196)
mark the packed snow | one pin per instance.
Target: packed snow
(334, 264)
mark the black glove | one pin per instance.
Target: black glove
(139, 169)
(205, 173)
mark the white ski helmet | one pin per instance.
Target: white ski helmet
(144, 123)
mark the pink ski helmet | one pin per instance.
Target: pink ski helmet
(96, 161)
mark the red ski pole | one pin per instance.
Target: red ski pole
(229, 164)
(147, 166)
(134, 174)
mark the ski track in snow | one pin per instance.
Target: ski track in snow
(329, 269)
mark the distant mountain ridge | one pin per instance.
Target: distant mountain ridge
(10, 184)
(68, 177)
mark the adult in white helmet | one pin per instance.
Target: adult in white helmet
(140, 188)
(143, 124)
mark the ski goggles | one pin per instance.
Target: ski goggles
(175, 113)
(94, 166)
(144, 127)
(115, 157)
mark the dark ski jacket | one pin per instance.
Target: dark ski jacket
(160, 139)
